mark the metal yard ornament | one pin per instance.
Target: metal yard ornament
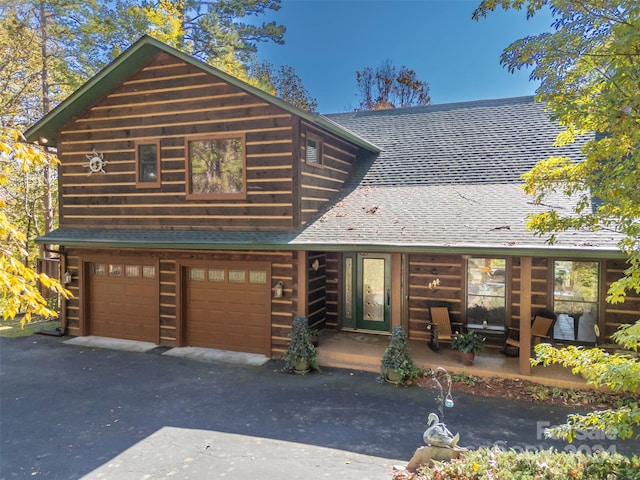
(96, 162)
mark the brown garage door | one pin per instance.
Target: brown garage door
(228, 307)
(124, 301)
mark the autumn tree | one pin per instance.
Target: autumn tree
(204, 29)
(386, 86)
(588, 71)
(285, 84)
(41, 50)
(18, 282)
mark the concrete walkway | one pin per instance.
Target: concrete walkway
(78, 411)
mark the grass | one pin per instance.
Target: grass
(13, 329)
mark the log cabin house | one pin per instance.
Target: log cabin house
(197, 210)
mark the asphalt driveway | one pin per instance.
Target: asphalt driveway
(68, 411)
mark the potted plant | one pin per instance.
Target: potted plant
(397, 365)
(469, 343)
(301, 356)
(315, 336)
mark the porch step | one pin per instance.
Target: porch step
(349, 361)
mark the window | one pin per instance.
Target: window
(486, 292)
(115, 270)
(257, 276)
(216, 167)
(237, 276)
(196, 274)
(147, 164)
(99, 269)
(313, 152)
(132, 270)
(216, 275)
(575, 300)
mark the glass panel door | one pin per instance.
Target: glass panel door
(366, 291)
(373, 292)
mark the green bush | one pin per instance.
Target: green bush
(486, 464)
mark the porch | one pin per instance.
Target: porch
(363, 351)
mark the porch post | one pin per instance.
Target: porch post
(525, 315)
(302, 283)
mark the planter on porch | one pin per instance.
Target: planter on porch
(469, 343)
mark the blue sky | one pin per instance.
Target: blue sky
(328, 40)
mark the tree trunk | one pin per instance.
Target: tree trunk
(46, 106)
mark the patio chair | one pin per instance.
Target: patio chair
(441, 327)
(541, 327)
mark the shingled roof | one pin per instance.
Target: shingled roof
(449, 176)
(447, 180)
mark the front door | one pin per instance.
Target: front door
(367, 291)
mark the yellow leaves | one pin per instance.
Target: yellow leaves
(4, 148)
(19, 283)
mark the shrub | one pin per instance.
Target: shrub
(485, 464)
(300, 347)
(397, 357)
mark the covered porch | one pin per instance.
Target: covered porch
(363, 351)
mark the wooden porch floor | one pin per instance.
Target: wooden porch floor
(363, 351)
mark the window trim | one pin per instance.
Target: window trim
(139, 183)
(215, 196)
(318, 139)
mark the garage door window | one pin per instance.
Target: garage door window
(196, 274)
(257, 276)
(237, 276)
(149, 271)
(216, 275)
(132, 271)
(99, 269)
(115, 270)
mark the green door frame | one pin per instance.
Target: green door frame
(367, 291)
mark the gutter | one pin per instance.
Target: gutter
(491, 250)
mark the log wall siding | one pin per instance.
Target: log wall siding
(424, 269)
(72, 306)
(541, 288)
(621, 313)
(320, 183)
(168, 100)
(317, 290)
(283, 268)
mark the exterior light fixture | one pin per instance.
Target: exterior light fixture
(278, 291)
(67, 277)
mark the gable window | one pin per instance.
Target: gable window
(216, 167)
(148, 164)
(575, 300)
(486, 292)
(313, 151)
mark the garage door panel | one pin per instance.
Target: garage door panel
(123, 307)
(225, 314)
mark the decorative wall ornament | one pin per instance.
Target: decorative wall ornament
(96, 162)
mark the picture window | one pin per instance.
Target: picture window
(486, 291)
(216, 167)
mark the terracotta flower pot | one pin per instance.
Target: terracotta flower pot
(468, 357)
